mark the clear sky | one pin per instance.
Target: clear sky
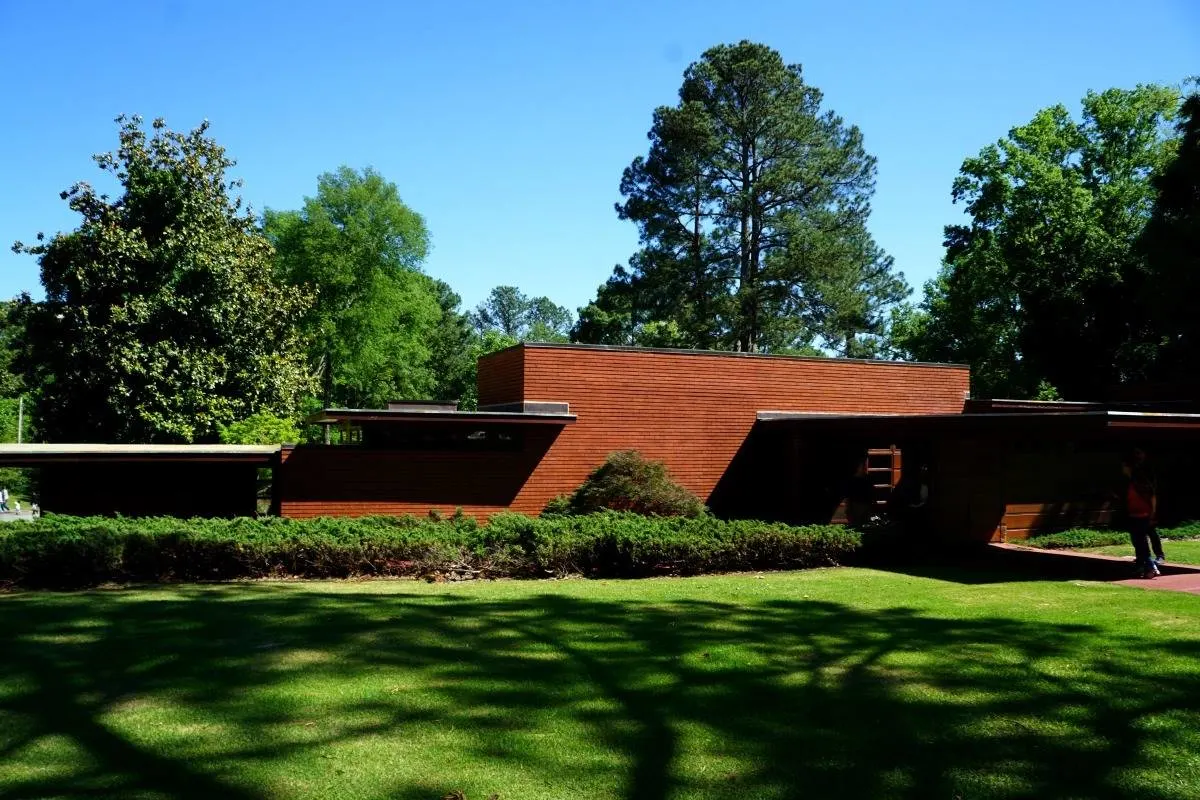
(507, 124)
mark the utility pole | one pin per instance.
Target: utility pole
(20, 416)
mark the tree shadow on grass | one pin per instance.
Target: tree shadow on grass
(989, 564)
(630, 698)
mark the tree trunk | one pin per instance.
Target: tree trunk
(745, 339)
(699, 333)
(756, 224)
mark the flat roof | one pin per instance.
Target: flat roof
(378, 415)
(614, 348)
(35, 454)
(1008, 423)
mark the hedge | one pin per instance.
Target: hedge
(73, 552)
(1088, 537)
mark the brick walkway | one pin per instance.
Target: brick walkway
(1094, 566)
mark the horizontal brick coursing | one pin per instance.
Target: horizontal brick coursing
(691, 410)
(501, 377)
(694, 411)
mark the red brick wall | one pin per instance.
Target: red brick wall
(352, 481)
(501, 377)
(694, 410)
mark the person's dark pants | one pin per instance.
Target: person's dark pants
(1139, 536)
(1155, 542)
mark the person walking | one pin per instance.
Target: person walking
(1140, 497)
(4, 499)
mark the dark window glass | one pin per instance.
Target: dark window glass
(442, 437)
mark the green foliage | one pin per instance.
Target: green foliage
(558, 506)
(84, 551)
(752, 206)
(261, 428)
(358, 248)
(628, 482)
(1171, 244)
(480, 345)
(162, 319)
(1046, 391)
(451, 350)
(1044, 283)
(511, 313)
(1087, 537)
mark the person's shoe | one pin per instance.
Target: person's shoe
(1160, 560)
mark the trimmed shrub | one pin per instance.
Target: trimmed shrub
(71, 552)
(628, 482)
(1087, 537)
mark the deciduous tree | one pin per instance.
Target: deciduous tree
(1171, 244)
(162, 319)
(358, 248)
(1044, 283)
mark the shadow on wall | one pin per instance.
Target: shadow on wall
(347, 474)
(150, 489)
(778, 476)
(777, 698)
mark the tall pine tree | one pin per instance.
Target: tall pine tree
(752, 206)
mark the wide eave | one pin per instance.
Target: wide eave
(994, 424)
(38, 454)
(359, 416)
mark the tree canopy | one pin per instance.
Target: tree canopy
(509, 312)
(1171, 245)
(162, 319)
(1046, 283)
(358, 248)
(751, 206)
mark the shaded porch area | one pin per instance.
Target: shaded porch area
(144, 480)
(986, 477)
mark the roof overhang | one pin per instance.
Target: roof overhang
(33, 455)
(375, 416)
(1053, 424)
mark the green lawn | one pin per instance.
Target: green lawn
(846, 683)
(1179, 552)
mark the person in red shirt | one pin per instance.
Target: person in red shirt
(1140, 498)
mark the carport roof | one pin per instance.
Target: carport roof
(32, 455)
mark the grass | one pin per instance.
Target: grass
(1177, 552)
(847, 683)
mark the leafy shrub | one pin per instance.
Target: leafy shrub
(558, 506)
(64, 552)
(628, 482)
(260, 428)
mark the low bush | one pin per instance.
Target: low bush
(628, 482)
(70, 552)
(1077, 538)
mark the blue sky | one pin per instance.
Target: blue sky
(507, 125)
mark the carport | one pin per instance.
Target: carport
(144, 480)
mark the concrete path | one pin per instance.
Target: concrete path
(1110, 569)
(13, 516)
